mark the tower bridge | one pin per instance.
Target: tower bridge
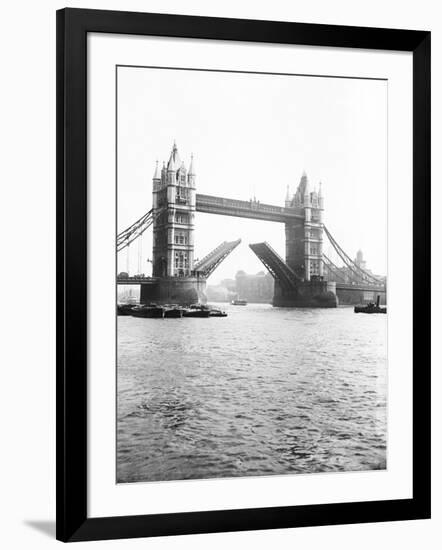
(307, 277)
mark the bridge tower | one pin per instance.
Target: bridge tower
(304, 237)
(173, 215)
(173, 200)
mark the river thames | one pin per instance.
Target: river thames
(263, 391)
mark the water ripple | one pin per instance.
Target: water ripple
(263, 391)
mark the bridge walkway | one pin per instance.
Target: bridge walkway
(276, 265)
(211, 261)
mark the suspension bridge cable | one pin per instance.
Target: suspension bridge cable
(336, 270)
(138, 222)
(359, 271)
(129, 235)
(332, 267)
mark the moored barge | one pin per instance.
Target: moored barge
(152, 312)
(239, 302)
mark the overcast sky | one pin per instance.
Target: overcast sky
(254, 135)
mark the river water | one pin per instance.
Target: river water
(263, 391)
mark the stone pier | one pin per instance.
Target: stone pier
(306, 294)
(175, 290)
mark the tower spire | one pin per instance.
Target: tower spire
(192, 166)
(174, 160)
(304, 181)
(156, 175)
(287, 197)
(320, 197)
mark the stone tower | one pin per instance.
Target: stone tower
(173, 203)
(359, 260)
(304, 237)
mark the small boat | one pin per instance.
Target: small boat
(173, 312)
(217, 313)
(371, 307)
(125, 309)
(239, 302)
(150, 311)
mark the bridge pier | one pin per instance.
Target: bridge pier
(306, 294)
(175, 290)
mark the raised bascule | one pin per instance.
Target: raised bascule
(306, 278)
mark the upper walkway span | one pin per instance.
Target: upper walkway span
(252, 209)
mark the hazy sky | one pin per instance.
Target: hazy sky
(254, 135)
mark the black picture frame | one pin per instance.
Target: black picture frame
(73, 25)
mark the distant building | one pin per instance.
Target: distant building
(230, 284)
(129, 295)
(359, 260)
(254, 288)
(218, 293)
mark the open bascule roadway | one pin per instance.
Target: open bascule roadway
(306, 278)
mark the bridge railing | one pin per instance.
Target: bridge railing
(123, 279)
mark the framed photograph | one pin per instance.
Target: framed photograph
(243, 301)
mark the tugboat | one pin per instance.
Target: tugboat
(239, 302)
(371, 307)
(151, 311)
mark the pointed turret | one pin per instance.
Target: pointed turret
(156, 179)
(302, 184)
(320, 197)
(192, 166)
(174, 161)
(156, 175)
(306, 186)
(287, 197)
(191, 175)
(314, 197)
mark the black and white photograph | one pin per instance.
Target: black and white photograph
(251, 274)
(221, 226)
